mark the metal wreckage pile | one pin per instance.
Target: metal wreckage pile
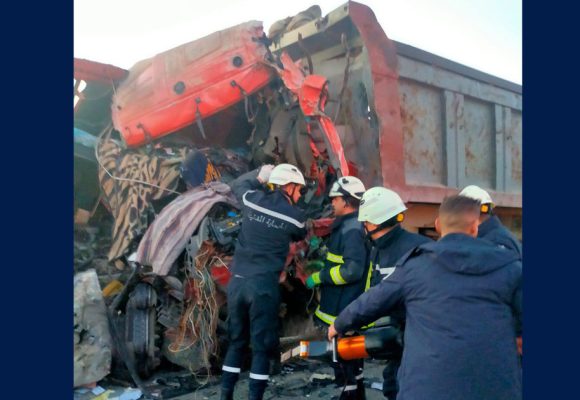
(155, 220)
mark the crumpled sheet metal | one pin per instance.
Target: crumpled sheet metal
(290, 23)
(171, 230)
(190, 82)
(312, 93)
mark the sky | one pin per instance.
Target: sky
(482, 34)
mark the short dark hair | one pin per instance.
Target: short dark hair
(459, 211)
(352, 201)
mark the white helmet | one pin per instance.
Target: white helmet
(347, 186)
(283, 174)
(380, 204)
(477, 193)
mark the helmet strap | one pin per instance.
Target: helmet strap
(293, 193)
(289, 196)
(391, 222)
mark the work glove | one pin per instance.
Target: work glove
(315, 265)
(313, 280)
(264, 173)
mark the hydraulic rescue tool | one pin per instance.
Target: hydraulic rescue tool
(378, 343)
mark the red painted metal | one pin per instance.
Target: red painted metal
(383, 65)
(334, 143)
(169, 91)
(312, 93)
(87, 70)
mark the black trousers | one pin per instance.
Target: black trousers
(253, 304)
(348, 374)
(390, 383)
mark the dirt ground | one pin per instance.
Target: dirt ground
(303, 379)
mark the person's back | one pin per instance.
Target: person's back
(269, 224)
(459, 296)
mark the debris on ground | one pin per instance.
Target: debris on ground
(92, 340)
(111, 393)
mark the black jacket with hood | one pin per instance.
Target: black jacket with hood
(462, 296)
(493, 230)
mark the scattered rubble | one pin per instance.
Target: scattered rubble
(92, 340)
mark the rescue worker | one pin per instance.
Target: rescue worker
(461, 295)
(343, 277)
(490, 227)
(271, 220)
(382, 211)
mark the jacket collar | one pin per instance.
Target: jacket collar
(487, 226)
(388, 238)
(338, 221)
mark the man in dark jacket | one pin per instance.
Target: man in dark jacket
(490, 227)
(461, 296)
(344, 275)
(382, 211)
(270, 222)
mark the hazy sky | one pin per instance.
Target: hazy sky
(483, 34)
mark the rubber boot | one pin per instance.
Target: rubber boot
(227, 394)
(348, 395)
(360, 390)
(229, 380)
(257, 389)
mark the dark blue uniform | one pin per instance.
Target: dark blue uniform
(461, 297)
(343, 279)
(385, 252)
(269, 224)
(493, 230)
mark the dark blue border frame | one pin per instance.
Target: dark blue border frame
(37, 200)
(550, 215)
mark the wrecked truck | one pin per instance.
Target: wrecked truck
(331, 94)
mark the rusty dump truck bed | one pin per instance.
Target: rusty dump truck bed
(423, 125)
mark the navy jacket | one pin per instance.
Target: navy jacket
(269, 224)
(344, 276)
(462, 296)
(385, 253)
(389, 248)
(494, 231)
